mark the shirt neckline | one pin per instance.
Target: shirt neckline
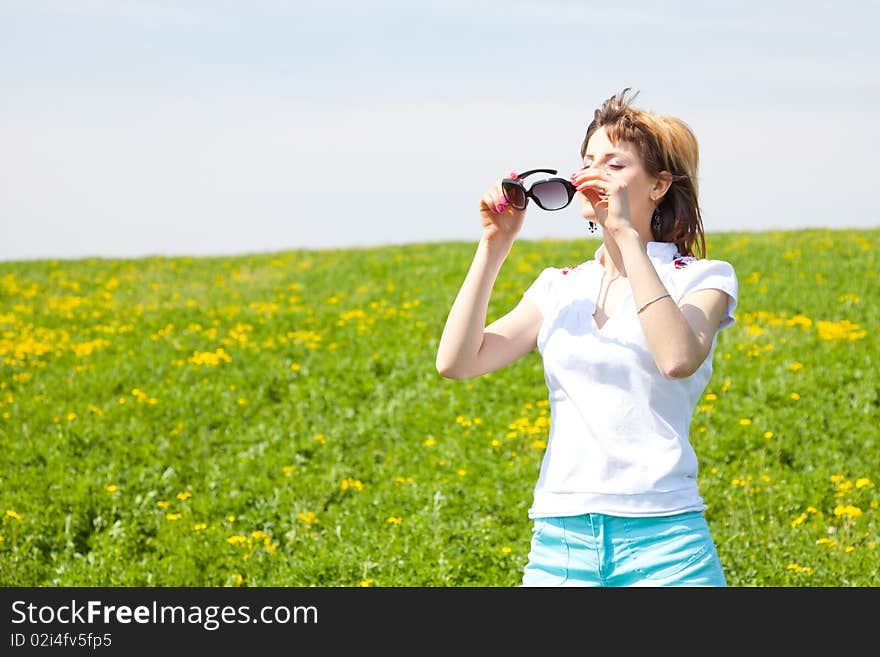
(658, 252)
(662, 252)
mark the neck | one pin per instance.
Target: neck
(612, 260)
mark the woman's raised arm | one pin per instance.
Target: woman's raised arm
(468, 347)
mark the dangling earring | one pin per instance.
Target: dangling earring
(657, 220)
(592, 228)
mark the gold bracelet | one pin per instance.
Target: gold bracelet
(662, 296)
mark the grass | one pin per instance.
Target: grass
(276, 419)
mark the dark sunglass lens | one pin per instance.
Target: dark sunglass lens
(551, 195)
(515, 194)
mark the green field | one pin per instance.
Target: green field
(277, 420)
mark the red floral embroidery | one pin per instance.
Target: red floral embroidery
(681, 263)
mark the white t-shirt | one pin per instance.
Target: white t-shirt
(619, 434)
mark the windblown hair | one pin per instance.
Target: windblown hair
(665, 143)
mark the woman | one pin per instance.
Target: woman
(627, 340)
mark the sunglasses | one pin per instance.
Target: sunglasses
(549, 194)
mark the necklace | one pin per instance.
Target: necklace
(607, 287)
(599, 314)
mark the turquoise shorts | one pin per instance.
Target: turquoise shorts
(600, 550)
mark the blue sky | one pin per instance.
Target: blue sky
(138, 127)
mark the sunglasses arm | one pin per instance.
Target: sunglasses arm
(530, 172)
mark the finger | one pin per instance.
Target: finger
(582, 177)
(589, 174)
(592, 195)
(501, 202)
(601, 189)
(495, 200)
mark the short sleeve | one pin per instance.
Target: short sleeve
(540, 292)
(711, 274)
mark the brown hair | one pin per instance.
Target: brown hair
(664, 143)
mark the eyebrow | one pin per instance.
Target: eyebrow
(608, 154)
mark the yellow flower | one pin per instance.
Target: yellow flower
(173, 516)
(112, 488)
(461, 472)
(236, 540)
(745, 421)
(199, 526)
(288, 470)
(348, 482)
(842, 330)
(210, 358)
(429, 442)
(365, 582)
(183, 496)
(12, 514)
(848, 510)
(799, 320)
(800, 569)
(506, 549)
(394, 520)
(795, 366)
(162, 504)
(309, 518)
(711, 396)
(795, 396)
(768, 434)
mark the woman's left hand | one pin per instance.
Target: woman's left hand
(607, 195)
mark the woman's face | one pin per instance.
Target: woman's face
(621, 161)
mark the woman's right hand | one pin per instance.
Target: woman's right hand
(500, 221)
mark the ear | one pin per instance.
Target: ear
(661, 186)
